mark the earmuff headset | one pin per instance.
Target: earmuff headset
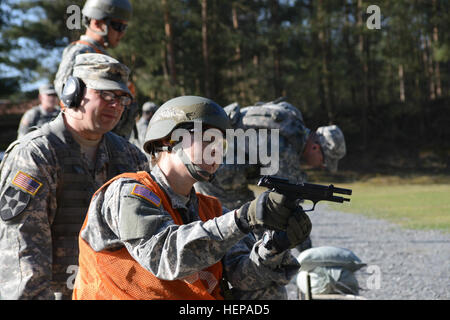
(73, 92)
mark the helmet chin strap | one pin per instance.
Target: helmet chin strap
(194, 170)
(103, 33)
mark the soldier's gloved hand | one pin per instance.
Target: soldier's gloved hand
(298, 229)
(270, 210)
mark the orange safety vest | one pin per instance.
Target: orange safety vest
(115, 275)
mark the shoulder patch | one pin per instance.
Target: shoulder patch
(12, 203)
(145, 193)
(26, 182)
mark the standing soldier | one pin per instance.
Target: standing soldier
(106, 22)
(320, 149)
(48, 177)
(148, 110)
(42, 113)
(150, 236)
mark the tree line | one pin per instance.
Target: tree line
(384, 87)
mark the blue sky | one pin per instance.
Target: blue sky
(28, 48)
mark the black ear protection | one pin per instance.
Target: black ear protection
(73, 92)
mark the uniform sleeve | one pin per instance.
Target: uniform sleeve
(26, 186)
(257, 273)
(152, 238)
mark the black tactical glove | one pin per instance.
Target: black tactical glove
(270, 210)
(298, 229)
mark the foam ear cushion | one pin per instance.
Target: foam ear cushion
(72, 92)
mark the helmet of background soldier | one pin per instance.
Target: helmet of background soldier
(107, 9)
(149, 107)
(180, 112)
(101, 72)
(47, 89)
(332, 142)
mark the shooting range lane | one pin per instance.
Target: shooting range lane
(409, 264)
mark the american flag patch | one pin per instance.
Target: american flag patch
(147, 194)
(26, 183)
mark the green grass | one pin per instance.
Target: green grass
(420, 202)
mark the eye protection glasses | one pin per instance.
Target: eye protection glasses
(118, 26)
(218, 142)
(110, 97)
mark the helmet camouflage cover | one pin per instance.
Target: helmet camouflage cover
(182, 110)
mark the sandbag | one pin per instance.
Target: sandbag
(328, 256)
(329, 280)
(331, 270)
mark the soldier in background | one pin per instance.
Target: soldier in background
(106, 22)
(148, 109)
(297, 144)
(46, 111)
(48, 177)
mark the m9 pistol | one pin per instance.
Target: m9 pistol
(304, 191)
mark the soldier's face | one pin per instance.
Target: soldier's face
(314, 156)
(100, 116)
(114, 36)
(48, 101)
(207, 153)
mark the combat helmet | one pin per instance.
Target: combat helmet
(107, 9)
(179, 112)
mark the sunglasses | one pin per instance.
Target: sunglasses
(118, 26)
(110, 97)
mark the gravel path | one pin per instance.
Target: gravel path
(404, 264)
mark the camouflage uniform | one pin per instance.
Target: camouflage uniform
(172, 252)
(46, 183)
(231, 182)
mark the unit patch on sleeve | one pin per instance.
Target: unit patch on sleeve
(147, 194)
(26, 183)
(12, 203)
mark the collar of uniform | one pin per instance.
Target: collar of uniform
(46, 113)
(98, 45)
(60, 130)
(177, 201)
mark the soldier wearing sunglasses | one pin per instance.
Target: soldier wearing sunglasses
(106, 22)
